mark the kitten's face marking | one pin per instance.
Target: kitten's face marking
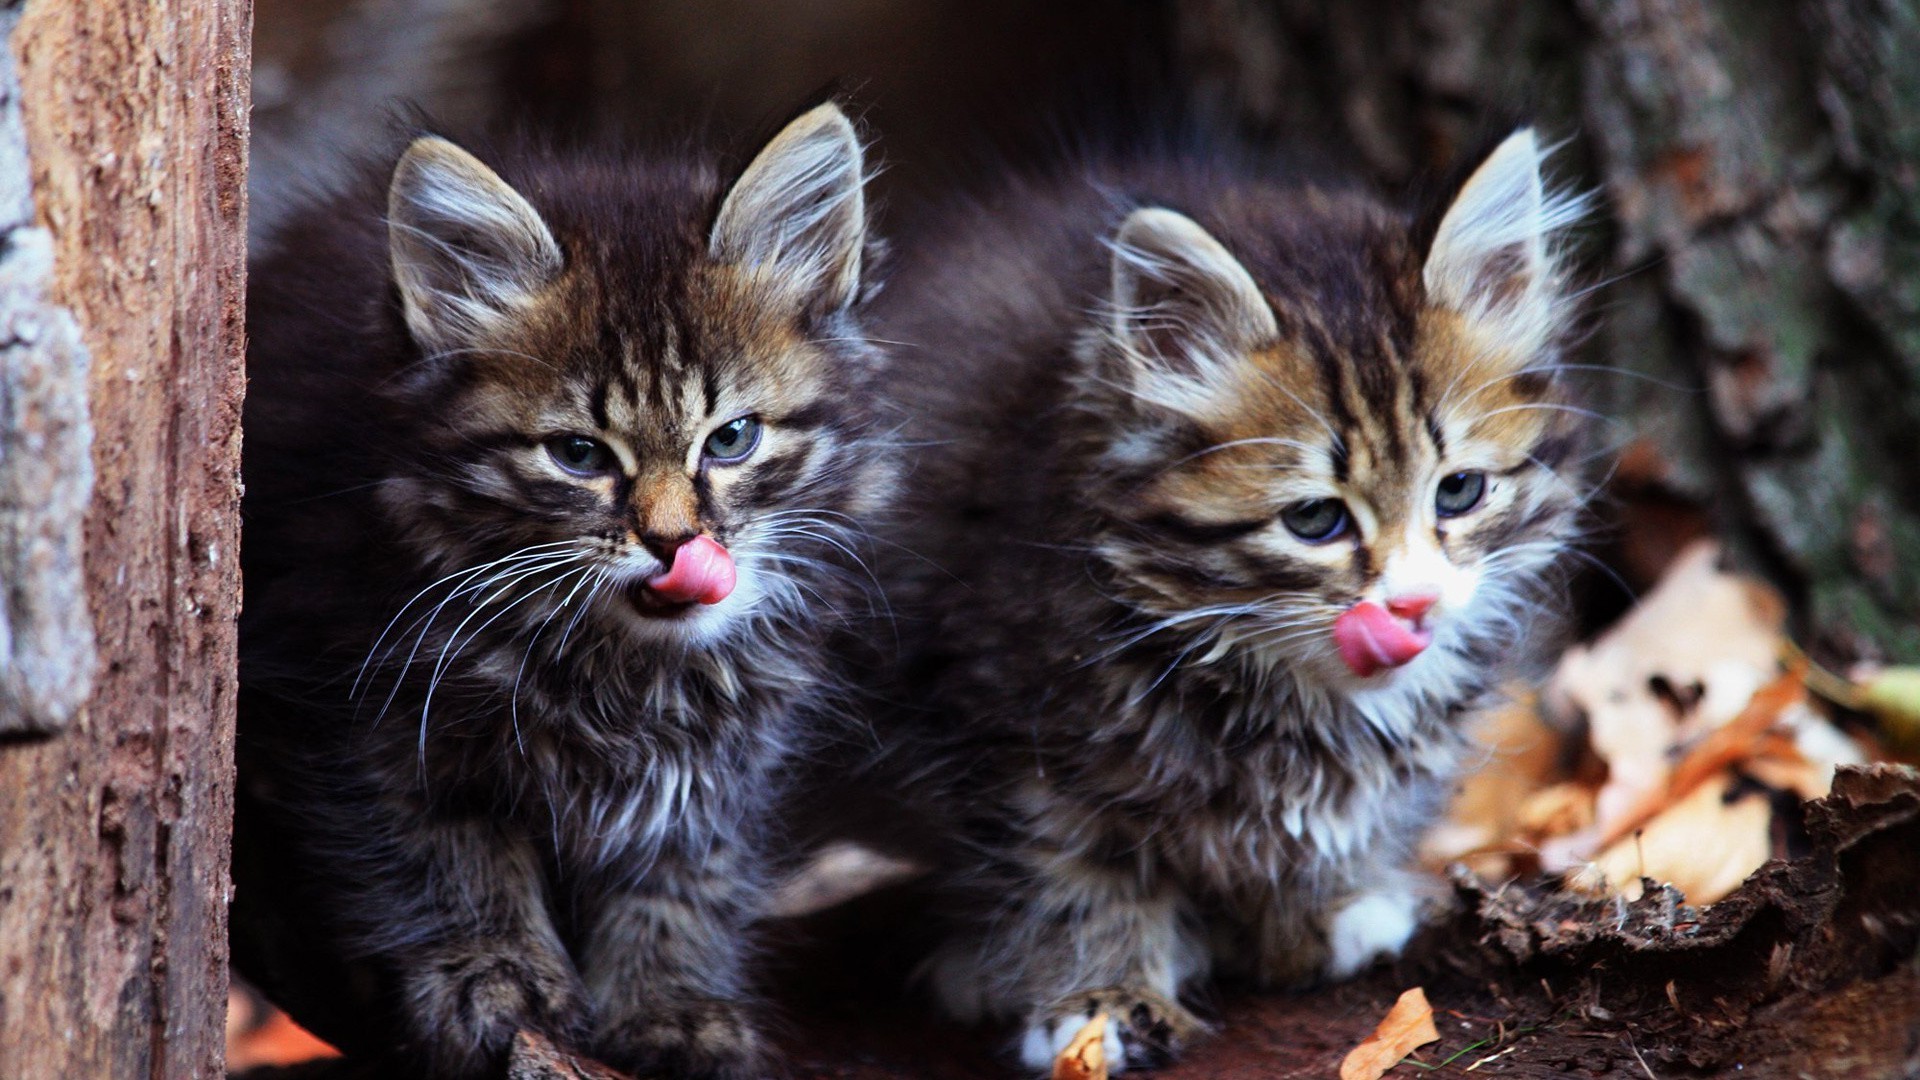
(1342, 474)
(662, 440)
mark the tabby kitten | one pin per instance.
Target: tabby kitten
(1241, 491)
(551, 476)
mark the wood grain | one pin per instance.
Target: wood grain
(113, 836)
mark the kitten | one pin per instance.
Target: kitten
(550, 476)
(1241, 492)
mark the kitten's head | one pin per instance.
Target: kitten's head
(636, 390)
(1330, 443)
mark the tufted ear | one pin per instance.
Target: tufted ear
(1492, 259)
(798, 215)
(1183, 309)
(467, 250)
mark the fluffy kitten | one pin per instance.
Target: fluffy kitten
(1241, 491)
(550, 476)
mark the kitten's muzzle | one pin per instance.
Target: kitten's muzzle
(701, 572)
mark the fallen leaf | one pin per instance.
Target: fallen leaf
(1519, 755)
(1085, 1058)
(275, 1040)
(1732, 743)
(1555, 811)
(1408, 1026)
(1703, 845)
(1684, 662)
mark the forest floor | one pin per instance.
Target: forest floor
(1807, 970)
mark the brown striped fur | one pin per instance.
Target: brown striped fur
(489, 781)
(1132, 728)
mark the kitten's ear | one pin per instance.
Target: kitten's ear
(798, 215)
(1492, 258)
(467, 249)
(1182, 307)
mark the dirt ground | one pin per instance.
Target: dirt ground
(1809, 970)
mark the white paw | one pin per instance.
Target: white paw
(1044, 1041)
(1375, 925)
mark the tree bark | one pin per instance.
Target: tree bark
(113, 835)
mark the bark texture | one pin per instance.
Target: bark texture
(1758, 241)
(46, 475)
(113, 835)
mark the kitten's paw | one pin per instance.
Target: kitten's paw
(705, 1037)
(1372, 927)
(466, 1001)
(1144, 1029)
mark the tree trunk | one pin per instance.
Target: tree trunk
(113, 834)
(1759, 239)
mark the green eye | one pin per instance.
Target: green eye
(1459, 493)
(734, 439)
(1316, 521)
(580, 455)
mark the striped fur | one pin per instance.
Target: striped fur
(1133, 724)
(517, 791)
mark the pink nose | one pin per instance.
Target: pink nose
(1412, 605)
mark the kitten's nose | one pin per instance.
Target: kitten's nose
(662, 546)
(1412, 605)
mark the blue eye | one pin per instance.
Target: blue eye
(580, 455)
(734, 439)
(1459, 493)
(1317, 520)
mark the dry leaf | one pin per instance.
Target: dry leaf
(275, 1041)
(1408, 1026)
(1702, 844)
(1555, 811)
(1085, 1058)
(1744, 737)
(1684, 662)
(1521, 754)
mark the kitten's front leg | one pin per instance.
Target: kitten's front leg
(1304, 941)
(477, 955)
(1078, 940)
(664, 961)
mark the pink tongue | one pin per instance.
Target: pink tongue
(702, 572)
(1370, 639)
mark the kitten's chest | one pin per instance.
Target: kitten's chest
(678, 761)
(1271, 791)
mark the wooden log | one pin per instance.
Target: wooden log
(113, 835)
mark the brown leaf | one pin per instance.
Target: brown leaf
(1522, 754)
(1727, 745)
(1408, 1026)
(1703, 845)
(1685, 661)
(1085, 1058)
